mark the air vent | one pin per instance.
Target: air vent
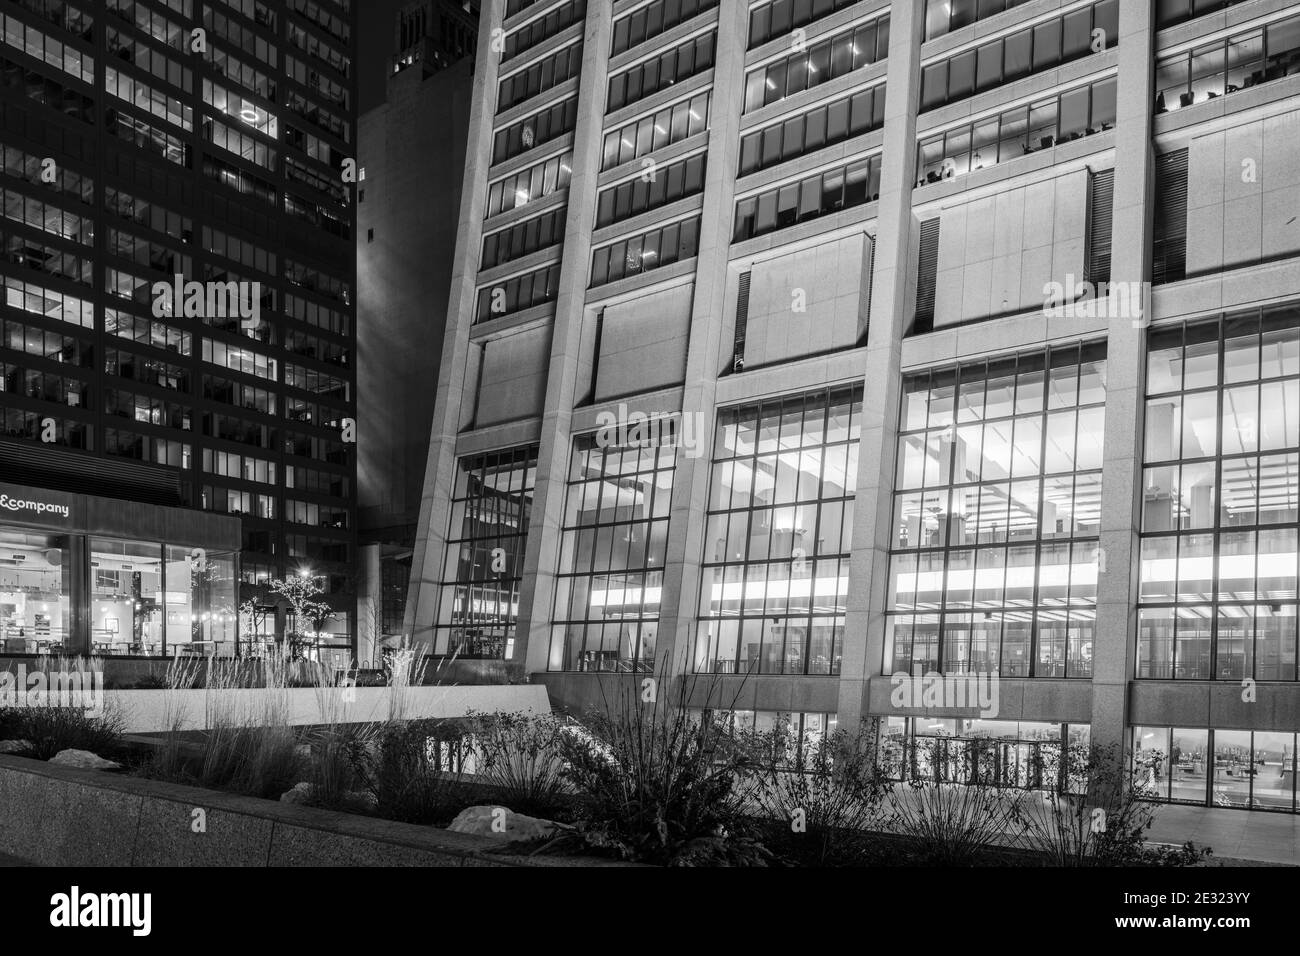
(742, 321)
(926, 275)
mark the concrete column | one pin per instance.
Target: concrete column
(370, 603)
(1114, 650)
(890, 305)
(440, 470)
(537, 594)
(80, 582)
(686, 526)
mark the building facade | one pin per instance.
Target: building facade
(179, 269)
(819, 346)
(413, 147)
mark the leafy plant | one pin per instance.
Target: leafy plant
(73, 715)
(826, 790)
(50, 729)
(950, 823)
(1098, 813)
(412, 768)
(661, 783)
(520, 754)
(336, 746)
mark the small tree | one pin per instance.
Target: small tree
(252, 621)
(302, 593)
(318, 614)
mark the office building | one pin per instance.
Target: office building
(179, 273)
(974, 327)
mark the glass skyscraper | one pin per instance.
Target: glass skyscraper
(152, 143)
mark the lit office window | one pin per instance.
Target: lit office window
(1020, 755)
(486, 535)
(995, 556)
(615, 536)
(1228, 65)
(776, 560)
(1219, 499)
(1220, 768)
(1031, 50)
(944, 16)
(832, 56)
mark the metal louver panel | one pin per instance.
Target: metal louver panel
(742, 320)
(1169, 246)
(926, 275)
(1101, 205)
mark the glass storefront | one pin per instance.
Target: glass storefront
(144, 598)
(994, 561)
(1219, 768)
(777, 539)
(35, 590)
(613, 546)
(1221, 499)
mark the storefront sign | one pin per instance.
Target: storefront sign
(33, 507)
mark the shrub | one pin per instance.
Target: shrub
(826, 791)
(413, 769)
(520, 755)
(167, 761)
(950, 823)
(336, 746)
(660, 783)
(1098, 814)
(73, 714)
(52, 729)
(248, 743)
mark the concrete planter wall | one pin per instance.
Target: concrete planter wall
(128, 671)
(57, 816)
(145, 711)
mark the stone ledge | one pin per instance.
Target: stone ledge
(59, 816)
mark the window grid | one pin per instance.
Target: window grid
(774, 581)
(658, 247)
(843, 52)
(614, 541)
(660, 72)
(807, 132)
(1017, 443)
(672, 124)
(1017, 132)
(778, 17)
(1020, 54)
(809, 198)
(1228, 65)
(1220, 509)
(1215, 767)
(653, 19)
(651, 190)
(944, 16)
(534, 32)
(486, 537)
